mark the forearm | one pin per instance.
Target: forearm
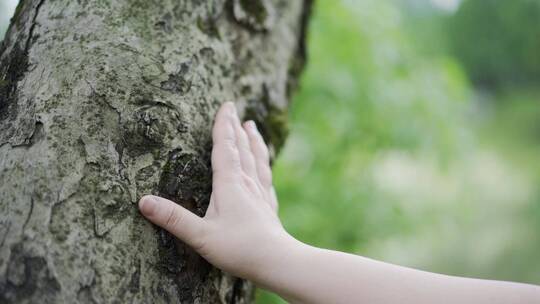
(305, 274)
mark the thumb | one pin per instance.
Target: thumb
(174, 218)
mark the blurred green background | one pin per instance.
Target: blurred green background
(415, 137)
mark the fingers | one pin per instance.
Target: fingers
(233, 152)
(174, 218)
(261, 155)
(225, 155)
(246, 156)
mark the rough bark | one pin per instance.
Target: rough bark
(102, 101)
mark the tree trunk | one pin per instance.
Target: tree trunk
(103, 101)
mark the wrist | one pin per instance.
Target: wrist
(281, 254)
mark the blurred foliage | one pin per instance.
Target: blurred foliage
(6, 10)
(365, 91)
(498, 41)
(393, 154)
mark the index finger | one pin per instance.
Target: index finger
(225, 155)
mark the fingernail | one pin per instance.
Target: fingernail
(147, 205)
(251, 124)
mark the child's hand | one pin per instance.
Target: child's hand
(241, 226)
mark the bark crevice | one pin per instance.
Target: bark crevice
(32, 26)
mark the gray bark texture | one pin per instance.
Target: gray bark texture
(103, 101)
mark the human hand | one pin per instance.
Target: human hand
(241, 227)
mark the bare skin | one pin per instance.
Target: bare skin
(242, 234)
